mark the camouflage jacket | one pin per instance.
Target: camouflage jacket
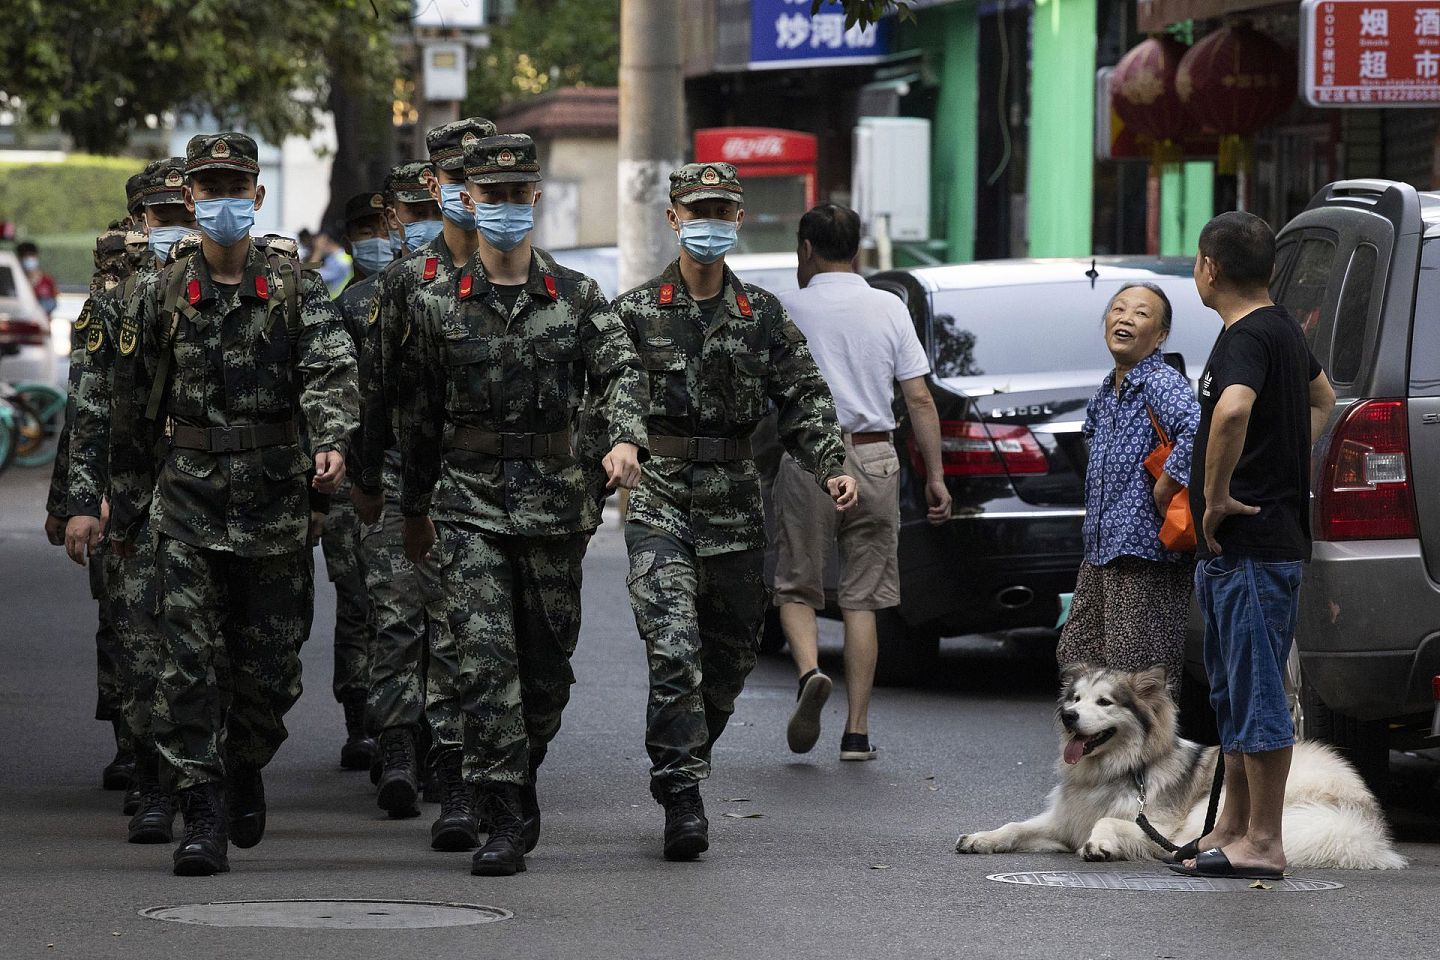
(714, 377)
(354, 304)
(527, 371)
(234, 361)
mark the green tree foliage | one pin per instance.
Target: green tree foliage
(100, 68)
(546, 45)
(864, 11)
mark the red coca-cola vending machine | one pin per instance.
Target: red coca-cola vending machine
(777, 170)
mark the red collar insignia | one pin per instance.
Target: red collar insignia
(743, 302)
(667, 294)
(550, 287)
(192, 291)
(465, 285)
(432, 266)
(262, 288)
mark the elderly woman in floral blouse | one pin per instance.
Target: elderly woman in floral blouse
(1133, 595)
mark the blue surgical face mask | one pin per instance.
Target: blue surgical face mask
(162, 239)
(225, 220)
(421, 232)
(372, 253)
(707, 240)
(504, 225)
(454, 208)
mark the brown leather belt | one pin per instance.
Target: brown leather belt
(512, 446)
(701, 449)
(233, 439)
(857, 439)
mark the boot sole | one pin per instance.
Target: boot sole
(804, 730)
(151, 835)
(497, 869)
(454, 839)
(200, 867)
(397, 798)
(686, 848)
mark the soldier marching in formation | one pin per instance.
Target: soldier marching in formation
(448, 429)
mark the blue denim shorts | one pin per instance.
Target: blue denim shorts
(1249, 607)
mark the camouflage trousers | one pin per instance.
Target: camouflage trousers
(136, 605)
(513, 605)
(414, 667)
(250, 612)
(109, 688)
(700, 618)
(354, 622)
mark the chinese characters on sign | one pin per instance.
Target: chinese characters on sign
(782, 33)
(1371, 51)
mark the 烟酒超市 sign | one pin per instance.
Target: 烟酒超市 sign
(1380, 52)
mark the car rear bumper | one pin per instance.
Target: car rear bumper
(989, 571)
(1369, 628)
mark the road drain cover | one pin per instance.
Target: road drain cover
(329, 914)
(1168, 882)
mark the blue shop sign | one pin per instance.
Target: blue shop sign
(784, 34)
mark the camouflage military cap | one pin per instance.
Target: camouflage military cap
(706, 181)
(371, 203)
(407, 182)
(277, 245)
(134, 193)
(222, 151)
(185, 246)
(164, 182)
(447, 142)
(109, 245)
(507, 158)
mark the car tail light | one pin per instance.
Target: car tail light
(30, 333)
(972, 449)
(1365, 489)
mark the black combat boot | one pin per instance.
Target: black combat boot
(202, 851)
(154, 820)
(432, 787)
(504, 853)
(131, 801)
(455, 828)
(687, 832)
(530, 809)
(359, 750)
(119, 771)
(398, 785)
(245, 803)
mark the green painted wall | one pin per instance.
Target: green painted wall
(1187, 197)
(1062, 129)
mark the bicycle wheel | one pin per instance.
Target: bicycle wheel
(7, 435)
(40, 431)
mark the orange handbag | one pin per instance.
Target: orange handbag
(1177, 530)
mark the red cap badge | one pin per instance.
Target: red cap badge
(743, 302)
(667, 294)
(432, 264)
(192, 292)
(262, 288)
(465, 285)
(550, 287)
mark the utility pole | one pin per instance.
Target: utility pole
(652, 132)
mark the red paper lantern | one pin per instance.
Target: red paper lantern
(1236, 81)
(1143, 89)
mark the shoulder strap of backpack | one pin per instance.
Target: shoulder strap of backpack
(170, 307)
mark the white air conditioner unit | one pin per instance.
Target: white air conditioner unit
(891, 177)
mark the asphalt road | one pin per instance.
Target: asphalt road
(971, 750)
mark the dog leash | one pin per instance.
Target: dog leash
(1192, 848)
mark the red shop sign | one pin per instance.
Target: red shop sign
(1378, 52)
(758, 149)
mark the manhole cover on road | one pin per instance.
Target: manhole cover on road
(1169, 882)
(331, 914)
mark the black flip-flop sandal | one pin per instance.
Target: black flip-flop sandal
(1214, 863)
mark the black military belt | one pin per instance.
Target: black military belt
(512, 446)
(246, 436)
(702, 449)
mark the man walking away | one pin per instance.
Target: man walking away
(863, 342)
(1263, 402)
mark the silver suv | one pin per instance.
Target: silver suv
(1360, 270)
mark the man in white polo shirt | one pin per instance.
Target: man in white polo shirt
(863, 341)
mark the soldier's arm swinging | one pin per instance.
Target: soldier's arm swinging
(133, 438)
(329, 394)
(610, 359)
(421, 416)
(89, 439)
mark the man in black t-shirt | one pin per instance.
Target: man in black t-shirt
(1263, 402)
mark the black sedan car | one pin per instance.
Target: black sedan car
(1016, 349)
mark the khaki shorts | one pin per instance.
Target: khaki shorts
(808, 527)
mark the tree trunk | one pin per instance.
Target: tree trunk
(364, 135)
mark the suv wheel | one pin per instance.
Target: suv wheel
(1365, 743)
(906, 655)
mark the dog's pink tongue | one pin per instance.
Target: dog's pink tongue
(1074, 750)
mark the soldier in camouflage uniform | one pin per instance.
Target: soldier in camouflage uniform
(166, 219)
(718, 352)
(404, 597)
(111, 269)
(218, 354)
(405, 291)
(502, 360)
